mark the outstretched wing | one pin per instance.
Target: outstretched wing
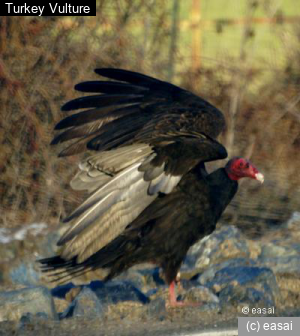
(133, 108)
(149, 134)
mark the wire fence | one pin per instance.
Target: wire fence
(42, 59)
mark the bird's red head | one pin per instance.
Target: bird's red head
(237, 168)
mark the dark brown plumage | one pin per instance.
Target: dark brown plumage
(150, 195)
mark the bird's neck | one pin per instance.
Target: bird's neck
(231, 175)
(223, 189)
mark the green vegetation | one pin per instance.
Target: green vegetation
(224, 22)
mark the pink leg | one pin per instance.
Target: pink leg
(173, 301)
(172, 294)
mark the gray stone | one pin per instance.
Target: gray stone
(117, 291)
(289, 264)
(223, 244)
(245, 284)
(274, 251)
(25, 274)
(200, 294)
(35, 300)
(157, 308)
(209, 274)
(210, 307)
(144, 279)
(134, 277)
(245, 295)
(281, 259)
(87, 304)
(62, 290)
(294, 221)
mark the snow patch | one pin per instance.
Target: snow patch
(7, 236)
(295, 218)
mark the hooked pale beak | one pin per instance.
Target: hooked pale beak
(259, 177)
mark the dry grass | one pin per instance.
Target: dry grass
(42, 59)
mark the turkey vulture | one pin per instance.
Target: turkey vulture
(150, 196)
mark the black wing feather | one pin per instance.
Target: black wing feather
(168, 108)
(136, 78)
(109, 87)
(76, 123)
(101, 100)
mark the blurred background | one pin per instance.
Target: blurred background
(241, 55)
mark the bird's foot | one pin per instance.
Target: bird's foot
(174, 303)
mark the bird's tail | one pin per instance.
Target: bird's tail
(97, 267)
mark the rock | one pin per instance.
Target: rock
(117, 291)
(281, 249)
(48, 245)
(293, 222)
(152, 277)
(91, 300)
(25, 274)
(210, 307)
(289, 264)
(240, 295)
(8, 251)
(157, 308)
(28, 321)
(87, 304)
(245, 284)
(210, 272)
(134, 277)
(274, 251)
(152, 292)
(200, 294)
(62, 290)
(73, 293)
(195, 293)
(143, 278)
(61, 305)
(223, 244)
(30, 318)
(35, 300)
(281, 259)
(243, 275)
(254, 248)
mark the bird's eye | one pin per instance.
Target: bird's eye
(247, 165)
(241, 164)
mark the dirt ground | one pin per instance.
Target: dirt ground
(180, 321)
